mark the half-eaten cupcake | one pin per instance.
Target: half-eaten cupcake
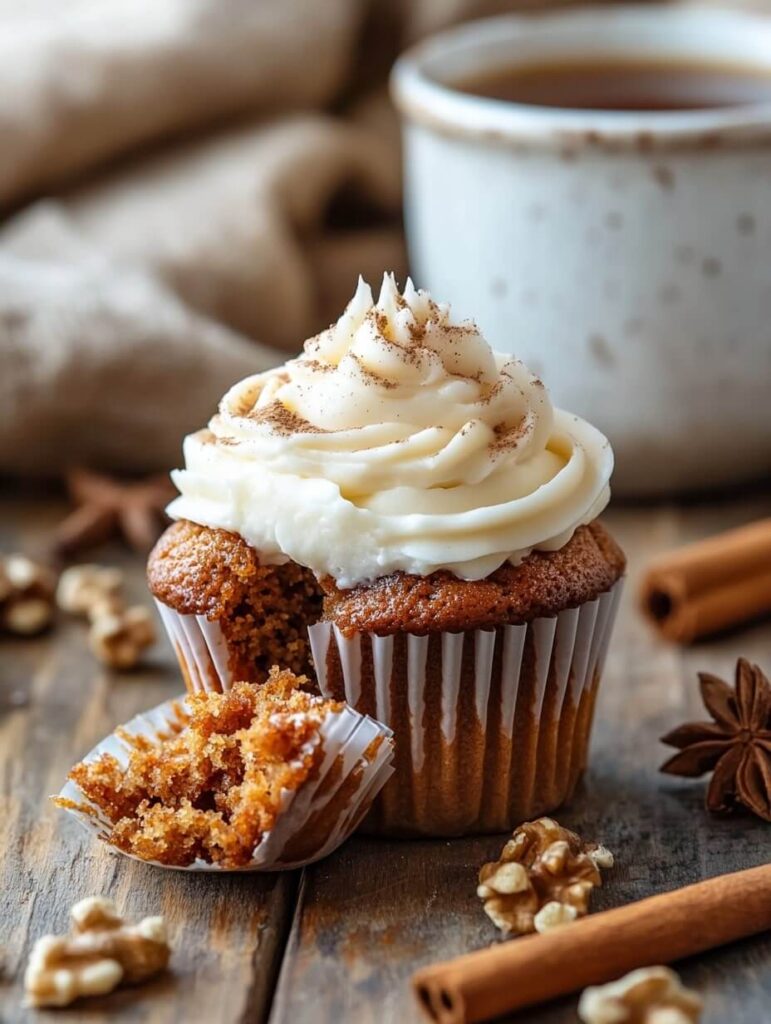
(258, 778)
(403, 511)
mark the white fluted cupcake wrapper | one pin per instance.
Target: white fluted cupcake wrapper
(575, 641)
(201, 650)
(346, 737)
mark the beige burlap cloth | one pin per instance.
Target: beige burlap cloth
(188, 189)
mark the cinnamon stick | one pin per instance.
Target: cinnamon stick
(711, 585)
(596, 949)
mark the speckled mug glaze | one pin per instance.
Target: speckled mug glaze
(625, 256)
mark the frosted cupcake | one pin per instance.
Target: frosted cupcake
(406, 506)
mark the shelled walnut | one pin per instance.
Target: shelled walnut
(553, 914)
(543, 879)
(6, 587)
(83, 589)
(26, 596)
(118, 637)
(651, 995)
(117, 634)
(102, 952)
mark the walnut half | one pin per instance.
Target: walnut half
(102, 952)
(651, 995)
(544, 878)
(118, 637)
(82, 588)
(26, 596)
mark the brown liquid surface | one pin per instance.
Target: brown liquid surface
(624, 85)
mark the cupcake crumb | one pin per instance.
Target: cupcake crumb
(263, 610)
(214, 786)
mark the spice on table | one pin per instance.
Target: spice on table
(105, 507)
(598, 948)
(26, 596)
(543, 879)
(735, 746)
(650, 995)
(101, 952)
(711, 585)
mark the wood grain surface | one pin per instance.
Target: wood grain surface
(338, 941)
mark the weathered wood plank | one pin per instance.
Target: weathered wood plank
(55, 703)
(370, 915)
(376, 910)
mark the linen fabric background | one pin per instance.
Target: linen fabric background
(188, 189)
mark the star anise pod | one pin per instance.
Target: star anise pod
(105, 507)
(735, 746)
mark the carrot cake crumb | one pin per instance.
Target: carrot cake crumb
(213, 789)
(263, 610)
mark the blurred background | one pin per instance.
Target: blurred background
(189, 189)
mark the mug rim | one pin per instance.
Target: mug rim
(421, 97)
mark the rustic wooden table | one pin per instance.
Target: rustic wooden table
(338, 941)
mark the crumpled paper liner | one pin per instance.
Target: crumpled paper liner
(492, 727)
(314, 819)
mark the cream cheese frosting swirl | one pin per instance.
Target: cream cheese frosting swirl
(398, 440)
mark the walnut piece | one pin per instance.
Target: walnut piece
(544, 878)
(117, 634)
(6, 587)
(84, 588)
(102, 952)
(651, 995)
(118, 637)
(26, 596)
(553, 914)
(600, 856)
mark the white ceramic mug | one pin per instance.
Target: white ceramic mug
(625, 256)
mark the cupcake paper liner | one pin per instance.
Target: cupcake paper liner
(313, 820)
(201, 649)
(492, 726)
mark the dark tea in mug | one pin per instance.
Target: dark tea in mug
(623, 84)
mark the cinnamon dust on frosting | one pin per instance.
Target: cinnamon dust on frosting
(398, 440)
(282, 420)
